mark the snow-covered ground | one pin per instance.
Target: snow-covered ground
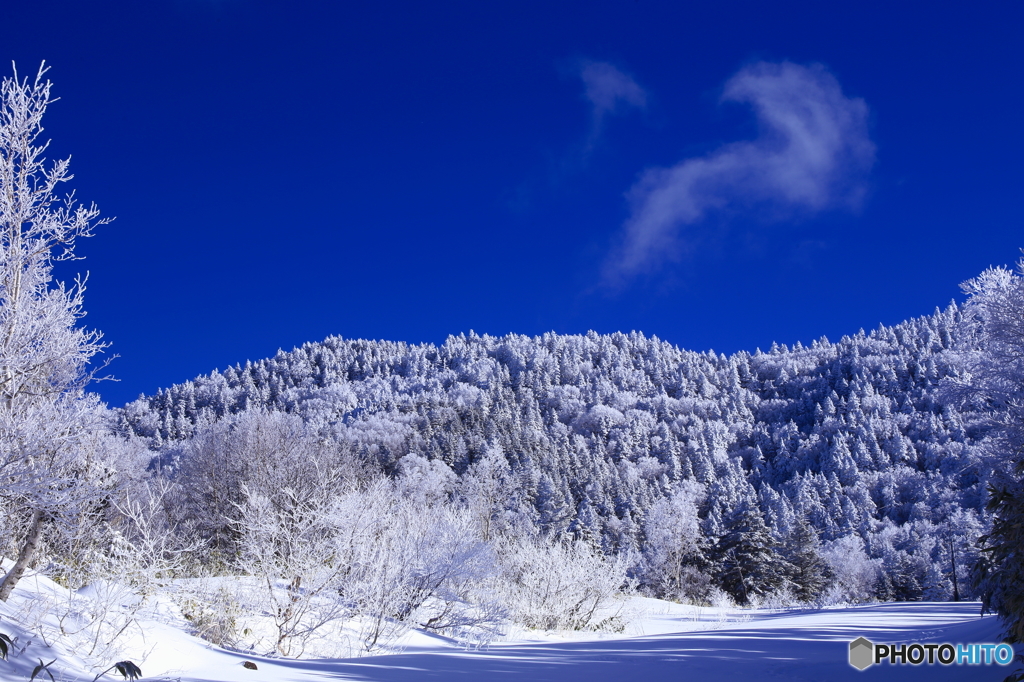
(664, 641)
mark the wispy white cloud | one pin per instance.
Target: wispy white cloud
(608, 90)
(812, 154)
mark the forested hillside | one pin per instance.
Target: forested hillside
(620, 439)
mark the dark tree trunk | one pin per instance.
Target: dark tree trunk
(952, 554)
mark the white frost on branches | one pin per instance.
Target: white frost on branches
(44, 354)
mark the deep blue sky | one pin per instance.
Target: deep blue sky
(284, 171)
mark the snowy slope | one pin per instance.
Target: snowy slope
(810, 645)
(665, 641)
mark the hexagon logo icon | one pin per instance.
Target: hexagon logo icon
(862, 653)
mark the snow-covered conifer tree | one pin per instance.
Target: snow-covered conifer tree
(807, 570)
(745, 556)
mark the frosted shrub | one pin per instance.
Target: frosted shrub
(777, 600)
(213, 611)
(719, 598)
(96, 622)
(368, 561)
(286, 544)
(556, 585)
(145, 551)
(695, 586)
(97, 616)
(420, 566)
(110, 570)
(262, 452)
(853, 573)
(448, 565)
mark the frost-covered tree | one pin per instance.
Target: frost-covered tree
(672, 551)
(853, 573)
(44, 353)
(807, 570)
(995, 377)
(745, 557)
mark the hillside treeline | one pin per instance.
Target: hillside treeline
(839, 466)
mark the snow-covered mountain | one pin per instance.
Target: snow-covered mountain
(596, 434)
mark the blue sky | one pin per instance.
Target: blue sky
(719, 174)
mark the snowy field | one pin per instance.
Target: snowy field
(663, 641)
